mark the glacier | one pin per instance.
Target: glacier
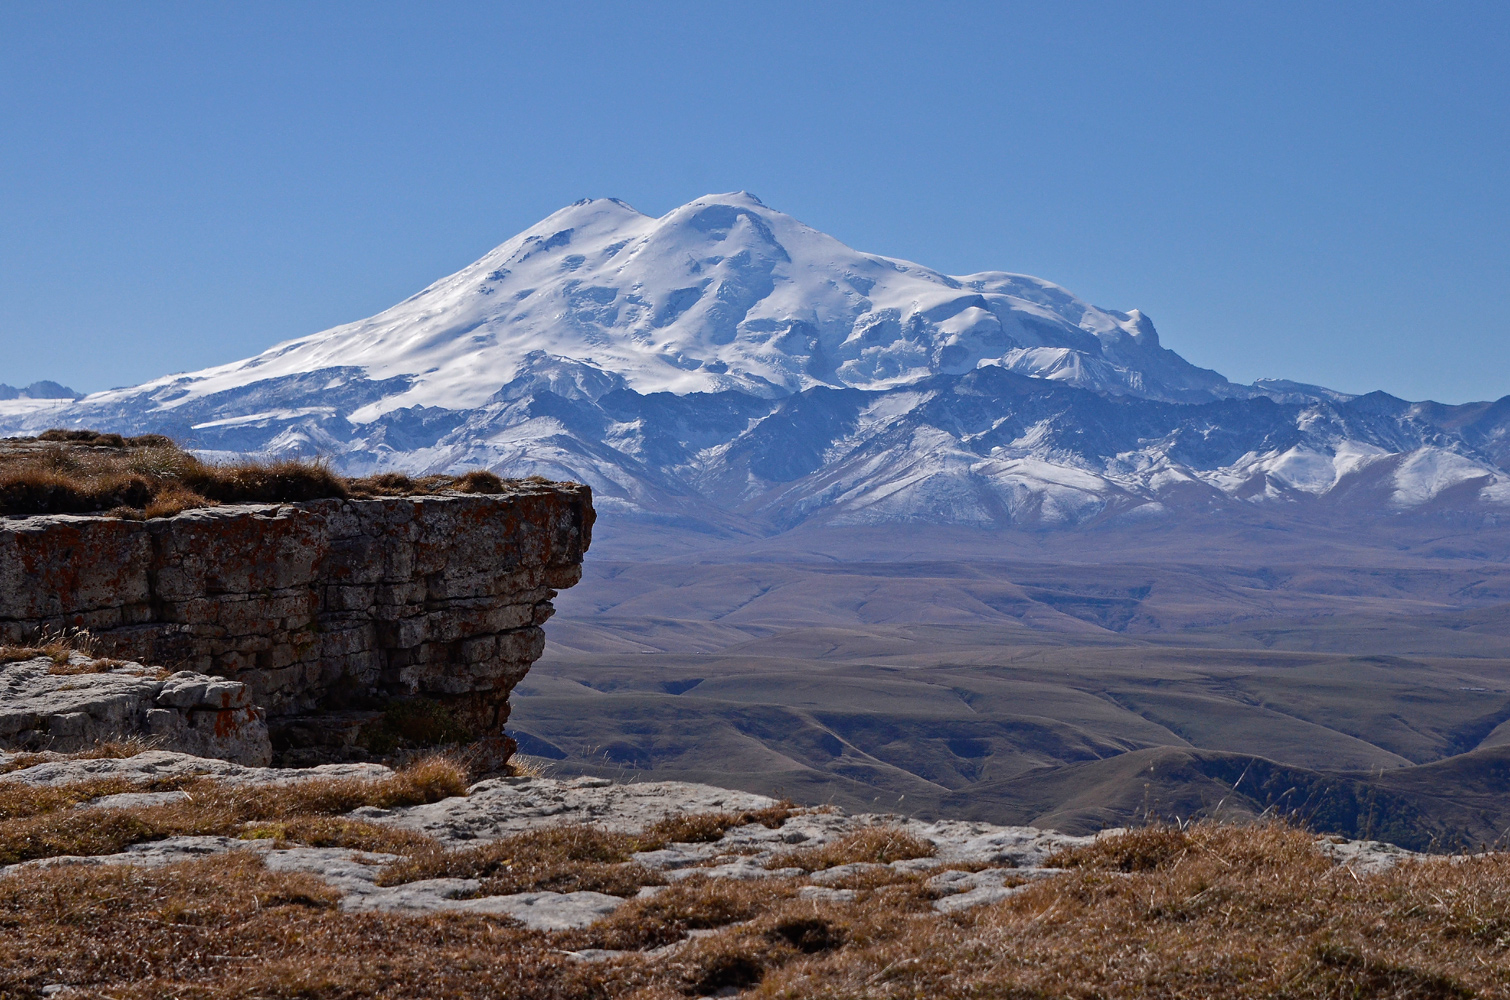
(725, 364)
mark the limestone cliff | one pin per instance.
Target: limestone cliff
(331, 612)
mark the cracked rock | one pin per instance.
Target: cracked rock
(158, 764)
(47, 706)
(501, 806)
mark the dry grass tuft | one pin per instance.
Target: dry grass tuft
(574, 857)
(397, 484)
(116, 749)
(567, 858)
(171, 499)
(1147, 849)
(1232, 912)
(706, 828)
(756, 929)
(98, 440)
(337, 831)
(480, 481)
(742, 956)
(19, 801)
(57, 645)
(16, 654)
(694, 904)
(225, 927)
(84, 472)
(104, 665)
(524, 766)
(877, 844)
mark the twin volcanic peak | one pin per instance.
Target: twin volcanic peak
(725, 356)
(720, 294)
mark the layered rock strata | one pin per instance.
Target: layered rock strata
(63, 707)
(328, 611)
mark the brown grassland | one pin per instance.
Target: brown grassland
(1208, 910)
(85, 472)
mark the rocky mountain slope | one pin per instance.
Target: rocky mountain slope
(728, 365)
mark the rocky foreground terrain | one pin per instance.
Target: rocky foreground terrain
(969, 864)
(160, 873)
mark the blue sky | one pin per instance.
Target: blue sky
(1310, 191)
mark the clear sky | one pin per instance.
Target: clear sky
(1316, 191)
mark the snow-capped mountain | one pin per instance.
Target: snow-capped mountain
(38, 390)
(727, 361)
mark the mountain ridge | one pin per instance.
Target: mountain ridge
(727, 363)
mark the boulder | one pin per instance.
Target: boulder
(64, 707)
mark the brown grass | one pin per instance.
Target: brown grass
(877, 844)
(117, 749)
(16, 654)
(104, 665)
(566, 858)
(19, 801)
(96, 439)
(706, 828)
(1220, 912)
(790, 935)
(693, 904)
(217, 809)
(337, 831)
(226, 927)
(741, 958)
(1149, 849)
(57, 645)
(83, 472)
(1205, 911)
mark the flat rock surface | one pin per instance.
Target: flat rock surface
(152, 854)
(501, 806)
(155, 764)
(134, 800)
(974, 864)
(545, 911)
(1364, 855)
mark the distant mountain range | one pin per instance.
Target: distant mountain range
(38, 390)
(728, 365)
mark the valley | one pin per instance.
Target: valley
(1071, 680)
